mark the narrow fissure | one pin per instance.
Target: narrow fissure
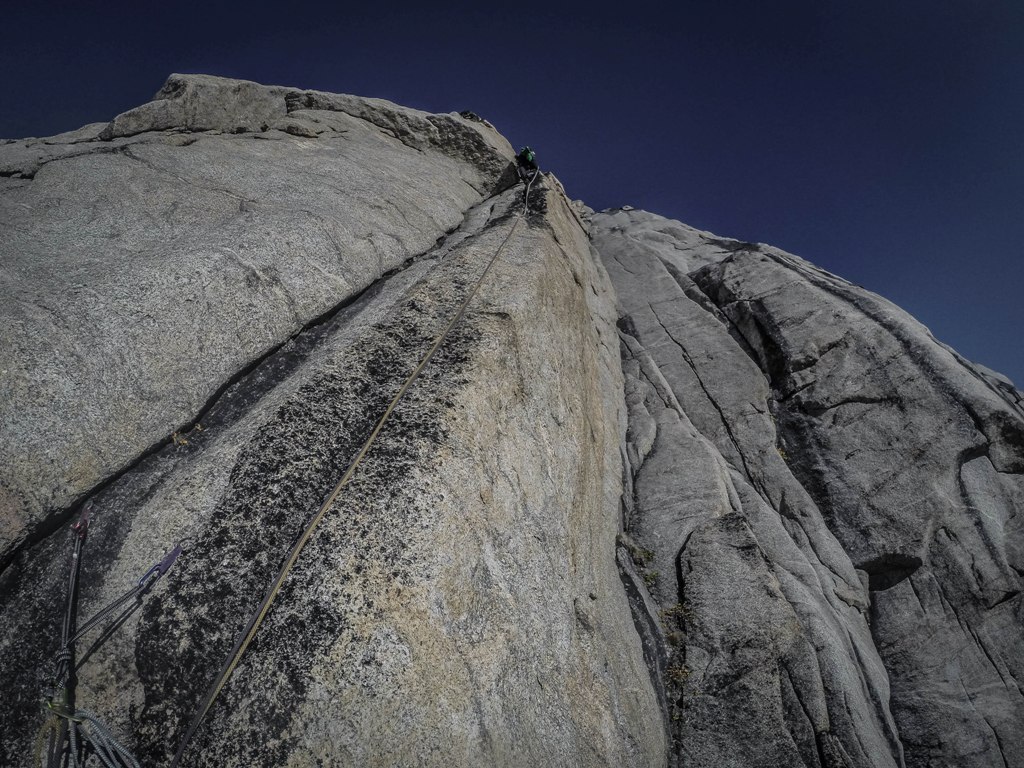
(707, 393)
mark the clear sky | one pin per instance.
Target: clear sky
(881, 139)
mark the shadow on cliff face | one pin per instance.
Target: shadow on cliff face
(886, 571)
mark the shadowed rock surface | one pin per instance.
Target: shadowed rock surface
(826, 502)
(765, 521)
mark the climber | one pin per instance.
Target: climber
(526, 164)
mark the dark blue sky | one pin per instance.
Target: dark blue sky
(883, 140)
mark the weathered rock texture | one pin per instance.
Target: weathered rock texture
(460, 605)
(769, 521)
(147, 263)
(826, 503)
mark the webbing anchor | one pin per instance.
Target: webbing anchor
(69, 734)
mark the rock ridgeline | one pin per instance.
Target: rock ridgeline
(661, 497)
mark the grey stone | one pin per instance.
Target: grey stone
(140, 274)
(460, 605)
(770, 521)
(862, 606)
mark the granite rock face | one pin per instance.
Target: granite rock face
(147, 262)
(659, 498)
(826, 507)
(460, 605)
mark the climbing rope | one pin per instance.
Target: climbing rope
(70, 735)
(242, 643)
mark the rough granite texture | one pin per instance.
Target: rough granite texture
(826, 506)
(460, 605)
(769, 521)
(145, 264)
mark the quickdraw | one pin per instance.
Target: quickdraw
(70, 735)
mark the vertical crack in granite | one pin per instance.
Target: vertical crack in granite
(707, 393)
(138, 484)
(177, 244)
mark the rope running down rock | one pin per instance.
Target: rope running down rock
(257, 618)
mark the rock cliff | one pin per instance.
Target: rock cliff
(659, 498)
(826, 505)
